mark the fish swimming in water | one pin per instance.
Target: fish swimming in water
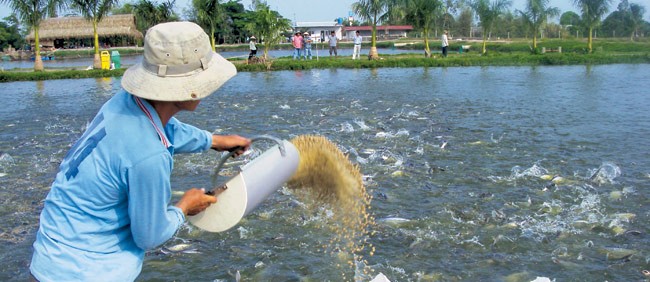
(394, 221)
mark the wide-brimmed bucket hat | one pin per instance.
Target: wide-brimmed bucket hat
(178, 65)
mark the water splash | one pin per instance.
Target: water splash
(535, 171)
(606, 173)
(346, 127)
(362, 125)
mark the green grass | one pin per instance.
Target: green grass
(498, 59)
(8, 76)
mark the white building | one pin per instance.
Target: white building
(320, 31)
(383, 31)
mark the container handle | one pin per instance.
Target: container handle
(232, 153)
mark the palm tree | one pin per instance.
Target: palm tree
(268, 25)
(148, 13)
(209, 14)
(374, 11)
(488, 13)
(536, 14)
(31, 13)
(421, 14)
(592, 12)
(94, 11)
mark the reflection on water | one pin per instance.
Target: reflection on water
(470, 169)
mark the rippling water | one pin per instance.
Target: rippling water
(477, 174)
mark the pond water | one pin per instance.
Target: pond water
(129, 60)
(459, 162)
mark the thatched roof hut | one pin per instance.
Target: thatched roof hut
(79, 28)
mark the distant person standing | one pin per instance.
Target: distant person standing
(333, 42)
(445, 43)
(297, 45)
(307, 45)
(356, 54)
(252, 47)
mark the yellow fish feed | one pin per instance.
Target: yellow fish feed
(325, 175)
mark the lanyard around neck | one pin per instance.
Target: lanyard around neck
(163, 139)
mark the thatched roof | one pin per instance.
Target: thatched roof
(79, 27)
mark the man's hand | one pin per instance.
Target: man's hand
(195, 201)
(230, 143)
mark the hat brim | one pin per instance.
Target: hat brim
(196, 85)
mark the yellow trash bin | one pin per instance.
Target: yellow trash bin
(106, 60)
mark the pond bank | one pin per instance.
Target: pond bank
(404, 60)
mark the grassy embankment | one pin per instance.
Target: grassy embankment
(510, 53)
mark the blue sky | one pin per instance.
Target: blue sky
(327, 10)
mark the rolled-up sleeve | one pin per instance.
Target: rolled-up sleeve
(153, 220)
(187, 138)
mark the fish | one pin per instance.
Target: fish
(595, 174)
(566, 264)
(394, 221)
(182, 248)
(546, 177)
(616, 253)
(624, 216)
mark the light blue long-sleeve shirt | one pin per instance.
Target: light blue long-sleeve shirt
(110, 200)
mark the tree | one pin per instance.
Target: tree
(465, 19)
(449, 7)
(236, 17)
(10, 33)
(268, 24)
(487, 13)
(536, 15)
(127, 8)
(374, 11)
(421, 14)
(209, 14)
(592, 12)
(509, 25)
(148, 13)
(32, 13)
(570, 21)
(618, 23)
(94, 11)
(636, 17)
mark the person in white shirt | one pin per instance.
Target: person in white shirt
(252, 47)
(357, 46)
(445, 43)
(333, 43)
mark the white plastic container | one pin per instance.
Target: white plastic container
(255, 182)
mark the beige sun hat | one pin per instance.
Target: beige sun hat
(178, 65)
